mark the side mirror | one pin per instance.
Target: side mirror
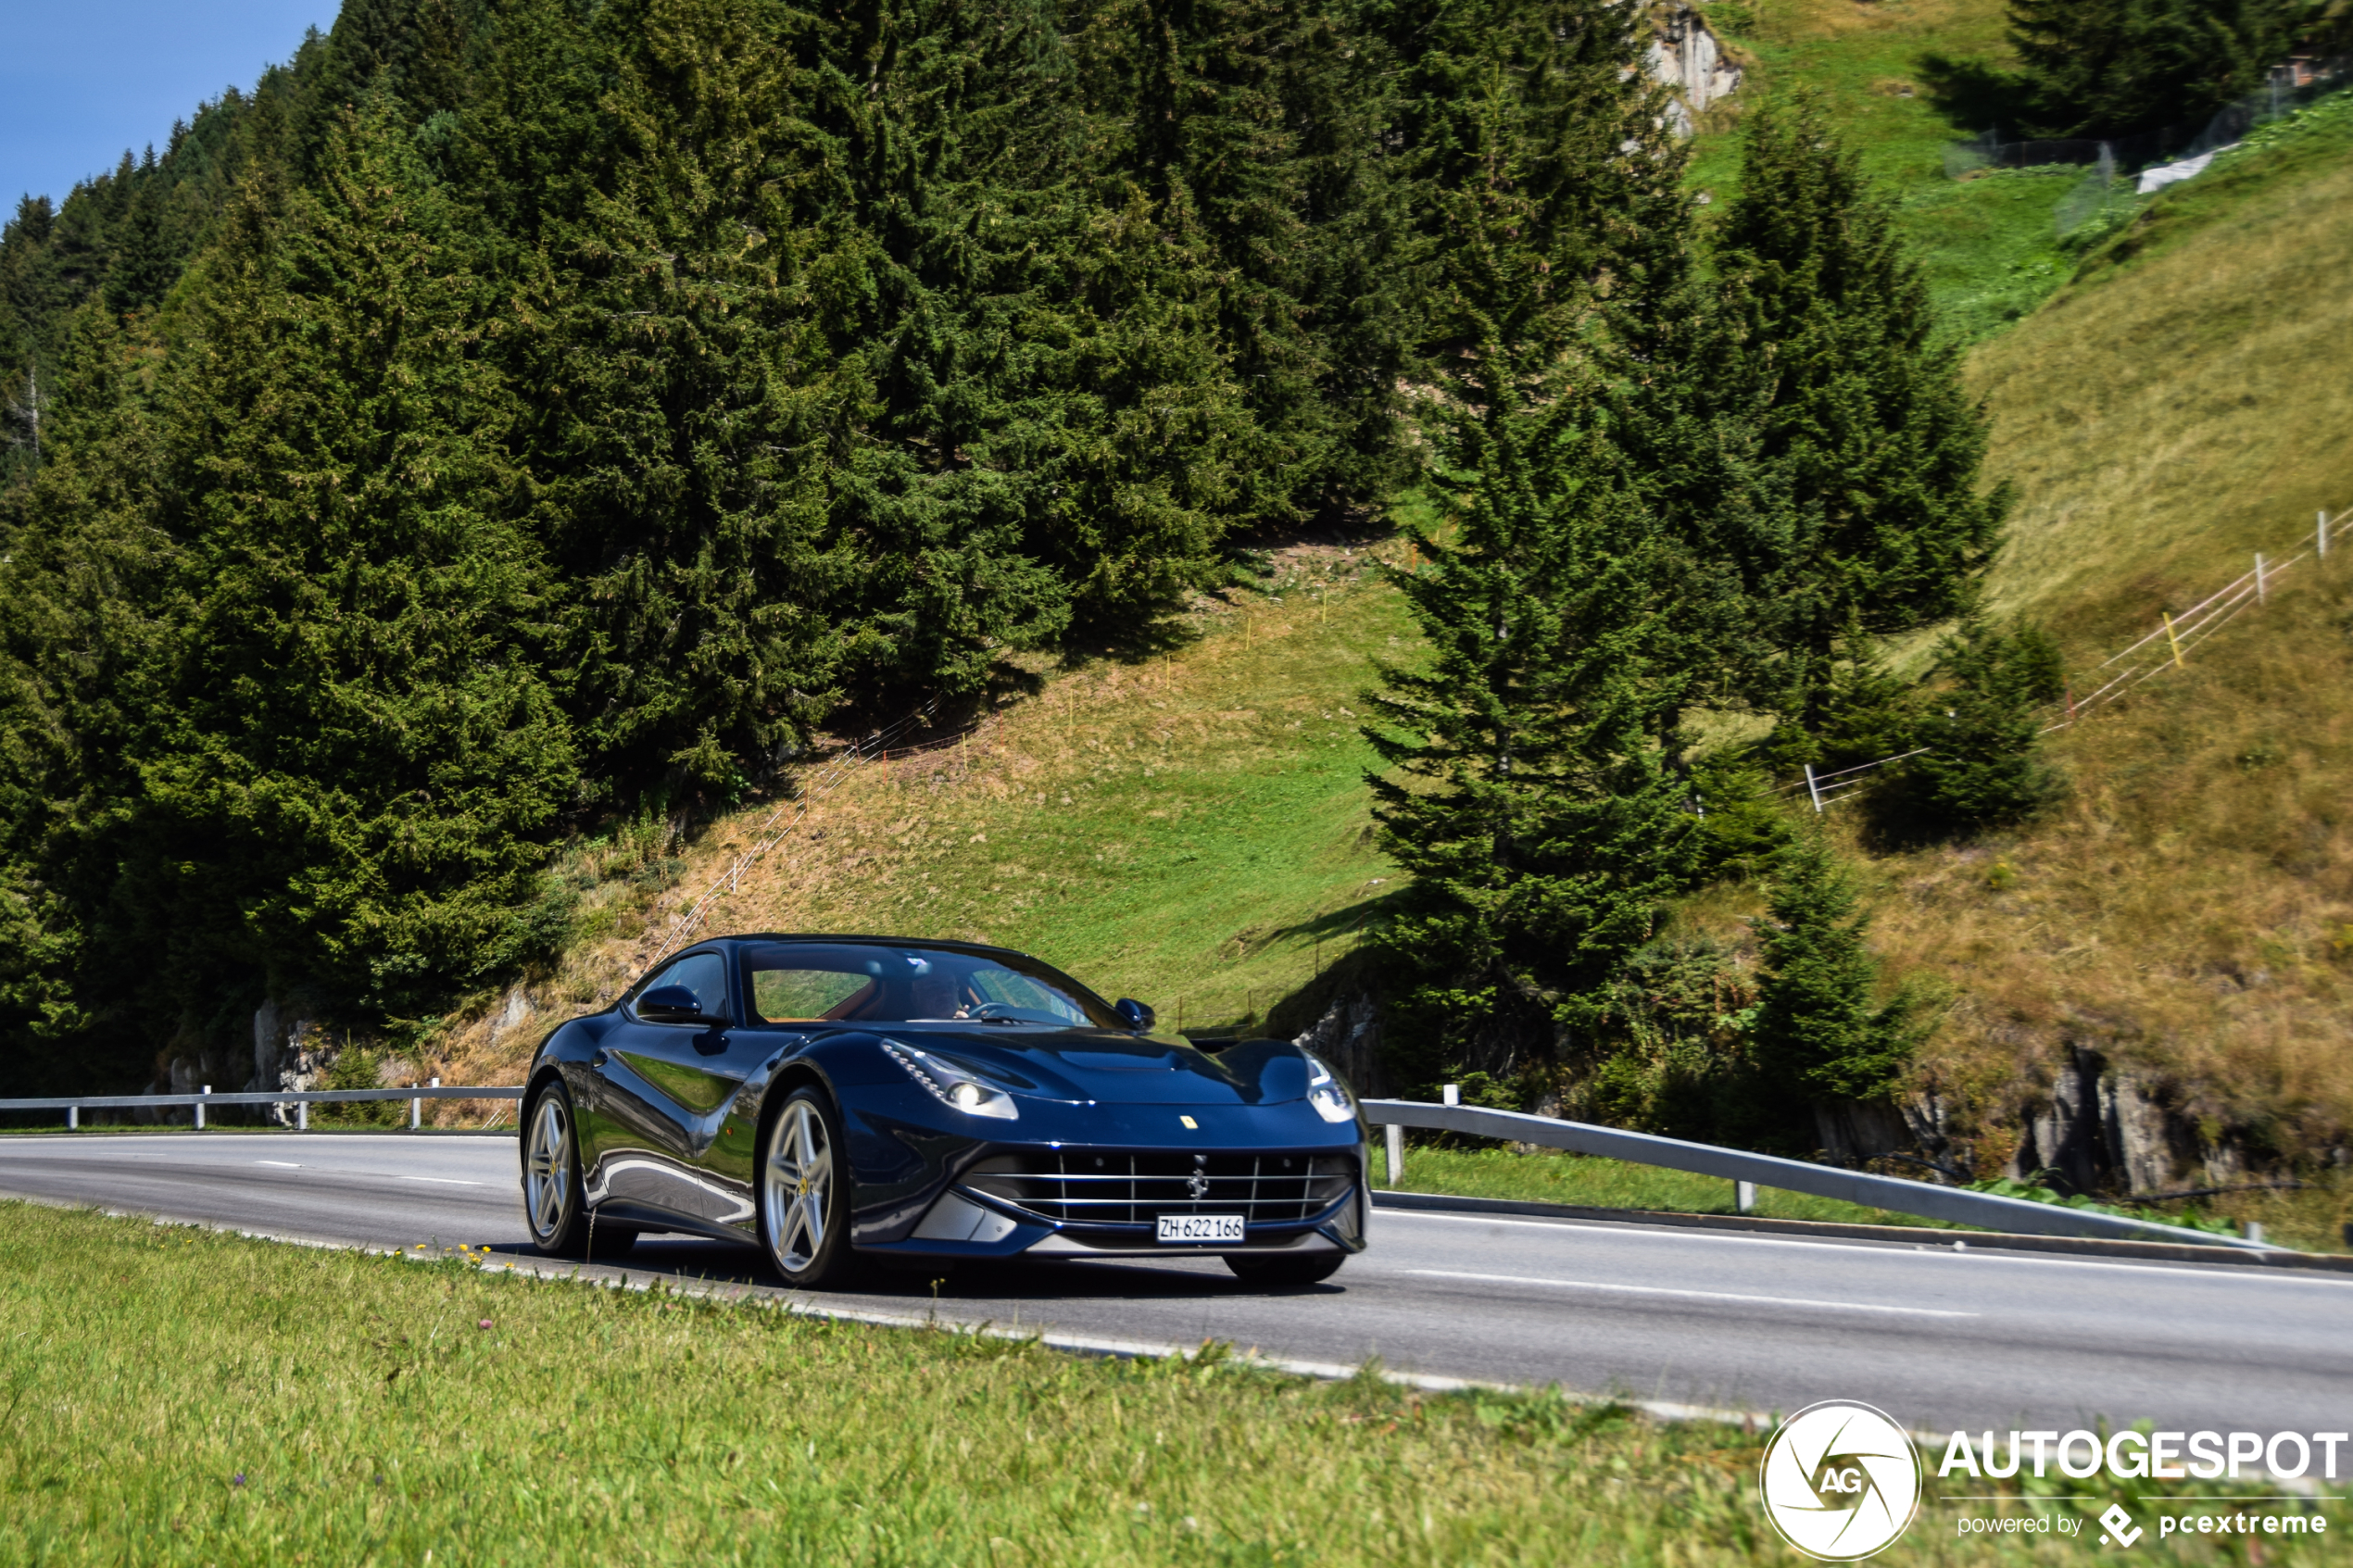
(1136, 1014)
(674, 1004)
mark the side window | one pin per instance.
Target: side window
(703, 974)
(806, 996)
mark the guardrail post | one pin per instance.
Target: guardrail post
(302, 1116)
(1452, 1094)
(1396, 1154)
(417, 1106)
(1745, 1196)
(207, 1089)
(1813, 789)
(73, 1118)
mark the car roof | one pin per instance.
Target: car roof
(865, 941)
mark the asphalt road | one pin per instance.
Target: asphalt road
(1937, 1339)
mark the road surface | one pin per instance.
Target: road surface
(1938, 1338)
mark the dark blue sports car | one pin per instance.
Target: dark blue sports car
(834, 1099)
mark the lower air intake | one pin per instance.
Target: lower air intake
(1079, 1188)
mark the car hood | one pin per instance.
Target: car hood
(1121, 1069)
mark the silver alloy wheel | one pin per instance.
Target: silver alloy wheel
(798, 1185)
(548, 1169)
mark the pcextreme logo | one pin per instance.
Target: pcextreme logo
(1841, 1481)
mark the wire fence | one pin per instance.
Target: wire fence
(2164, 647)
(814, 788)
(2290, 84)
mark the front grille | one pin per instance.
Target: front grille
(1079, 1188)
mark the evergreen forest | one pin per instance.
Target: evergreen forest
(513, 416)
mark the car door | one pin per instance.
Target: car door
(667, 1093)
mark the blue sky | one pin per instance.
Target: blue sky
(81, 79)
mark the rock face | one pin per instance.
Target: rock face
(2098, 1128)
(1684, 56)
(1853, 1131)
(1348, 1037)
(515, 1014)
(289, 1053)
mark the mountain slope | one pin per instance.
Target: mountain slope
(2174, 944)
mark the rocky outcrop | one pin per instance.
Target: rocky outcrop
(1348, 1037)
(289, 1053)
(2099, 1129)
(1684, 56)
(1853, 1131)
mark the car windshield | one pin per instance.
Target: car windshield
(871, 983)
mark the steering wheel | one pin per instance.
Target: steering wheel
(993, 1012)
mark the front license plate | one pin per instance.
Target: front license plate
(1200, 1228)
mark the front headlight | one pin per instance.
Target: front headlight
(1325, 1092)
(952, 1086)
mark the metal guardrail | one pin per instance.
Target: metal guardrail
(302, 1100)
(2017, 1215)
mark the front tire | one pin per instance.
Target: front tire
(562, 1222)
(1285, 1271)
(804, 1195)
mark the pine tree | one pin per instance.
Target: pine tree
(1981, 735)
(1858, 407)
(83, 570)
(1251, 116)
(686, 406)
(352, 760)
(2118, 68)
(1820, 1031)
(1538, 812)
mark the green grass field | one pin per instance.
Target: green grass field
(178, 1396)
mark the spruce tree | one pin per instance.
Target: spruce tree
(686, 405)
(352, 759)
(1050, 394)
(84, 569)
(1539, 812)
(1858, 409)
(1820, 1031)
(2120, 67)
(1254, 118)
(1983, 763)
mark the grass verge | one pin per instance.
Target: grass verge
(181, 1397)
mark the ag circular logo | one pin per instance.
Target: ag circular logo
(1841, 1481)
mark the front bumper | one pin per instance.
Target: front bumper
(970, 1221)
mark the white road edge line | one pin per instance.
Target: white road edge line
(445, 1181)
(1987, 1250)
(1692, 1295)
(281, 1165)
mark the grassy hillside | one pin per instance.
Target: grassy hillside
(2190, 911)
(1193, 831)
